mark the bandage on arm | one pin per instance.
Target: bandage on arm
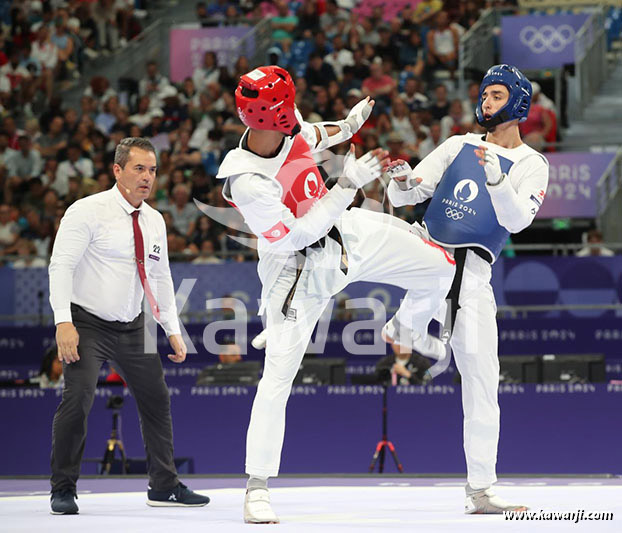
(322, 135)
(259, 201)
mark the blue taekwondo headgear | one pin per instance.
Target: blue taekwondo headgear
(519, 101)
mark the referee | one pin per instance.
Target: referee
(110, 250)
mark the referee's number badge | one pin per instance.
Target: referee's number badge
(155, 252)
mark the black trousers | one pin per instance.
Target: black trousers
(123, 344)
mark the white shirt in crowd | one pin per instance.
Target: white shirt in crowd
(5, 84)
(202, 77)
(156, 89)
(18, 72)
(24, 166)
(340, 59)
(404, 128)
(142, 120)
(67, 169)
(603, 251)
(8, 233)
(37, 262)
(427, 146)
(93, 261)
(448, 122)
(46, 53)
(444, 42)
(421, 100)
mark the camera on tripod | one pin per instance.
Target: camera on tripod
(384, 378)
(114, 443)
(114, 402)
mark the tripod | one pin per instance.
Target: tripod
(114, 443)
(379, 454)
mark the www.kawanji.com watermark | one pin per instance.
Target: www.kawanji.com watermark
(569, 516)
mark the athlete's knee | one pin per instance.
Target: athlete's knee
(273, 394)
(278, 378)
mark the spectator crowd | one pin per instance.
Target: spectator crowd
(53, 153)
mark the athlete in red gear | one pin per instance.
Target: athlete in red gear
(310, 247)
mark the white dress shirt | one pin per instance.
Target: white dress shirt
(93, 261)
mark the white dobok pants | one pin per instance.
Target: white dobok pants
(474, 344)
(381, 249)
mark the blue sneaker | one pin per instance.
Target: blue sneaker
(180, 496)
(64, 501)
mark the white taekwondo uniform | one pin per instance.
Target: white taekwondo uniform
(285, 203)
(465, 212)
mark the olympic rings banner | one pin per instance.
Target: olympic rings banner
(536, 41)
(188, 45)
(572, 184)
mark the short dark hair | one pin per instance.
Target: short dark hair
(595, 234)
(48, 358)
(122, 152)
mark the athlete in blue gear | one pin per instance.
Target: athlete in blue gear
(483, 188)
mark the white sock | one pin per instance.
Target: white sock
(472, 490)
(256, 482)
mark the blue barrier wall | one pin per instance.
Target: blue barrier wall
(544, 428)
(517, 281)
(21, 348)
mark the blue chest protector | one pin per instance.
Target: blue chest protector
(461, 212)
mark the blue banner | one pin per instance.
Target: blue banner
(572, 188)
(525, 280)
(536, 41)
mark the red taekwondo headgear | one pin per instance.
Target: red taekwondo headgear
(265, 100)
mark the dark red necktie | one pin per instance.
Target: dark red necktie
(139, 248)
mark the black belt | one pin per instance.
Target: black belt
(301, 257)
(453, 296)
(482, 253)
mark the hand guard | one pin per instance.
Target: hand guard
(400, 169)
(363, 170)
(492, 167)
(359, 114)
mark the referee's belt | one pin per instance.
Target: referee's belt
(301, 257)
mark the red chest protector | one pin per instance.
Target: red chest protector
(298, 176)
(300, 179)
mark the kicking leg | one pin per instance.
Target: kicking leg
(393, 253)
